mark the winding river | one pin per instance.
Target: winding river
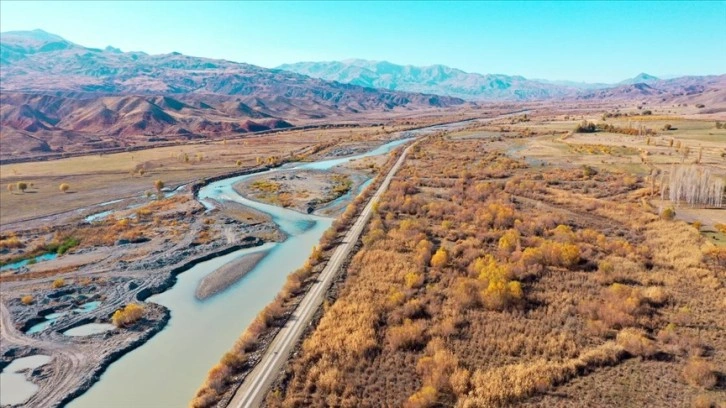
(167, 370)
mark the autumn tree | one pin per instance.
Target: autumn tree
(22, 186)
(158, 184)
(127, 315)
(440, 258)
(64, 187)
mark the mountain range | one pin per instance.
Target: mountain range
(443, 80)
(60, 96)
(57, 96)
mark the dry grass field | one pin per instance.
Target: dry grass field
(486, 280)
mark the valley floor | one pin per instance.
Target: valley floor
(511, 262)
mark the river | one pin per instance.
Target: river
(167, 370)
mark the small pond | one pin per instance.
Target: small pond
(15, 387)
(89, 329)
(51, 318)
(26, 262)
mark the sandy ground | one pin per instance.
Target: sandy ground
(227, 275)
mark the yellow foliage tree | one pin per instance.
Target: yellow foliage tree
(500, 294)
(127, 315)
(509, 241)
(158, 184)
(413, 280)
(440, 258)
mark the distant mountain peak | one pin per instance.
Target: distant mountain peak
(36, 34)
(436, 79)
(641, 78)
(35, 37)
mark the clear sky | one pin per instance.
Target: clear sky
(582, 41)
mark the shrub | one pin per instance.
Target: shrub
(64, 187)
(500, 294)
(702, 401)
(586, 127)
(636, 343)
(27, 300)
(560, 254)
(423, 252)
(59, 283)
(699, 373)
(437, 365)
(668, 213)
(619, 307)
(409, 335)
(488, 269)
(588, 171)
(127, 315)
(440, 258)
(67, 244)
(158, 184)
(10, 242)
(655, 295)
(423, 398)
(466, 293)
(459, 381)
(413, 280)
(22, 186)
(509, 241)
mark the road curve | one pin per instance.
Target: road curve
(253, 389)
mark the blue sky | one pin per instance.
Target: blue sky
(582, 41)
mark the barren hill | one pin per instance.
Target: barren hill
(60, 96)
